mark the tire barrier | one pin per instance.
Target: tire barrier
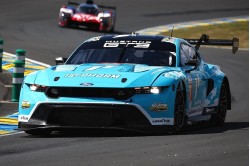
(1, 54)
(18, 74)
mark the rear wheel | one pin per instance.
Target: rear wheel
(179, 111)
(218, 119)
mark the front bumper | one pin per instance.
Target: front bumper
(84, 115)
(56, 116)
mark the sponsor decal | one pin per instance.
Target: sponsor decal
(92, 75)
(23, 118)
(126, 43)
(86, 84)
(159, 107)
(25, 104)
(160, 121)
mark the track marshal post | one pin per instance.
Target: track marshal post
(18, 74)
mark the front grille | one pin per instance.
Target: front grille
(116, 93)
(88, 24)
(80, 117)
(90, 115)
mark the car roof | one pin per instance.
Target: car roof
(88, 5)
(135, 37)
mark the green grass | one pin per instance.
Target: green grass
(219, 31)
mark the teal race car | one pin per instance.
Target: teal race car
(131, 82)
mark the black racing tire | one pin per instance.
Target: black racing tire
(38, 132)
(219, 117)
(179, 111)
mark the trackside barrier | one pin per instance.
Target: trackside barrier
(1, 55)
(18, 74)
(20, 54)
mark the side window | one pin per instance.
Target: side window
(187, 53)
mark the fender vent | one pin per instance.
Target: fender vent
(210, 86)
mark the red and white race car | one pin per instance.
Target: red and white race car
(88, 15)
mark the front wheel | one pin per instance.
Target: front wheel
(179, 111)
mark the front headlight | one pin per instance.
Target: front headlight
(37, 88)
(154, 90)
(149, 90)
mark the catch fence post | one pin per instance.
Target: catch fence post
(18, 74)
(1, 55)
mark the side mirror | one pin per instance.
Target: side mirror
(192, 62)
(60, 60)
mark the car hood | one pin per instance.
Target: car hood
(100, 75)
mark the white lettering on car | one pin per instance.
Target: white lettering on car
(137, 44)
(92, 75)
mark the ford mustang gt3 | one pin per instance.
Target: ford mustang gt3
(132, 82)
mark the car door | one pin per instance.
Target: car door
(196, 79)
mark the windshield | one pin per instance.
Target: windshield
(151, 53)
(87, 9)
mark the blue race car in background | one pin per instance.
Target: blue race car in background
(132, 82)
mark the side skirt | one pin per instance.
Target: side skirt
(205, 116)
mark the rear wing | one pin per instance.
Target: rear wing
(204, 40)
(73, 3)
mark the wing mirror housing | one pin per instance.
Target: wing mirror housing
(60, 60)
(192, 62)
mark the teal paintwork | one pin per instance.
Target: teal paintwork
(194, 83)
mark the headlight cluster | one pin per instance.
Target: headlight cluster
(148, 90)
(116, 93)
(53, 92)
(37, 88)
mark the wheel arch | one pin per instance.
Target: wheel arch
(225, 80)
(183, 88)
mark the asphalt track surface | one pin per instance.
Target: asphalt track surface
(32, 25)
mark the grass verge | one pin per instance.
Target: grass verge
(219, 31)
